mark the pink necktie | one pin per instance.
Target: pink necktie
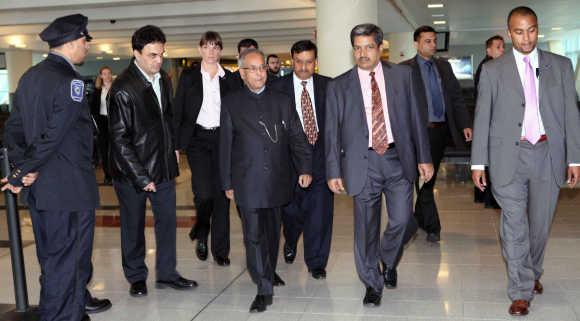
(531, 121)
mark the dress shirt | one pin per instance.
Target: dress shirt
(367, 92)
(521, 65)
(425, 77)
(155, 83)
(209, 114)
(298, 97)
(103, 109)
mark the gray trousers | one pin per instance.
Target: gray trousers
(528, 203)
(384, 176)
(261, 227)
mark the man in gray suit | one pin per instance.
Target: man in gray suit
(374, 141)
(526, 131)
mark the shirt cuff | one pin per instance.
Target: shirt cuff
(478, 167)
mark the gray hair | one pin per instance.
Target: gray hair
(367, 29)
(249, 51)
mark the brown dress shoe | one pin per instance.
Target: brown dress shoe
(538, 287)
(519, 307)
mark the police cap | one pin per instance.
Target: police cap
(65, 29)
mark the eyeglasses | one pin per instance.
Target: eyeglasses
(255, 69)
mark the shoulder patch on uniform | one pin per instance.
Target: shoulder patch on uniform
(77, 90)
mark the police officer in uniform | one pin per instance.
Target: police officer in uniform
(49, 136)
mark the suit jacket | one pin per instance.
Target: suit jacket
(499, 116)
(456, 113)
(255, 162)
(50, 131)
(188, 100)
(286, 85)
(347, 132)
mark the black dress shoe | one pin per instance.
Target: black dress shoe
(179, 284)
(372, 298)
(260, 303)
(433, 237)
(138, 289)
(289, 254)
(222, 261)
(96, 305)
(319, 274)
(278, 280)
(201, 250)
(390, 277)
(86, 318)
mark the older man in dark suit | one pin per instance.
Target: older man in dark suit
(444, 114)
(375, 141)
(260, 139)
(311, 209)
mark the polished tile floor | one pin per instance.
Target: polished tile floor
(462, 278)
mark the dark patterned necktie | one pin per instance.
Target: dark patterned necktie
(380, 141)
(308, 116)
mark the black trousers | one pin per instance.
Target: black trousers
(310, 212)
(132, 203)
(103, 143)
(426, 213)
(213, 207)
(64, 247)
(261, 228)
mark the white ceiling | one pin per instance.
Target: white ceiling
(275, 24)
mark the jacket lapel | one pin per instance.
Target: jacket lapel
(357, 97)
(545, 76)
(391, 94)
(512, 75)
(319, 101)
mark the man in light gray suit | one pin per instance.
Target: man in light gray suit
(526, 131)
(374, 141)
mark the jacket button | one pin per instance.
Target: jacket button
(517, 143)
(519, 124)
(365, 157)
(524, 104)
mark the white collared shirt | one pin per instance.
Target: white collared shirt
(521, 65)
(209, 114)
(155, 83)
(103, 106)
(298, 97)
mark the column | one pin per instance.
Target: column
(17, 62)
(334, 21)
(401, 46)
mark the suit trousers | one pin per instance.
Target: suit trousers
(426, 212)
(385, 176)
(528, 203)
(213, 207)
(133, 206)
(261, 227)
(310, 211)
(64, 247)
(103, 143)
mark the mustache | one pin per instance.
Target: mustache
(363, 59)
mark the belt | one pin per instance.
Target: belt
(436, 124)
(391, 145)
(543, 138)
(198, 126)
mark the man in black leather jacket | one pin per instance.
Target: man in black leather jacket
(144, 161)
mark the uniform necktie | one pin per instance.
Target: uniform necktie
(531, 121)
(380, 141)
(435, 91)
(308, 116)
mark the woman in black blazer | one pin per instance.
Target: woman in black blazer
(99, 112)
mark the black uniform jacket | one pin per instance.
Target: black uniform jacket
(142, 138)
(50, 131)
(260, 139)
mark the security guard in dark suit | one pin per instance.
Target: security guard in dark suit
(49, 135)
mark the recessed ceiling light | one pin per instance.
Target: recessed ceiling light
(434, 5)
(540, 36)
(116, 58)
(556, 28)
(45, 55)
(438, 15)
(99, 58)
(439, 22)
